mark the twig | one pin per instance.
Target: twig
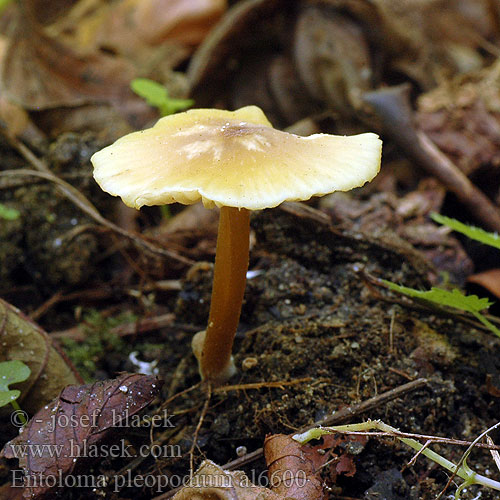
(86, 206)
(341, 416)
(208, 396)
(140, 326)
(280, 384)
(103, 292)
(338, 417)
(462, 469)
(392, 105)
(423, 437)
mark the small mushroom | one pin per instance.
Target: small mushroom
(234, 160)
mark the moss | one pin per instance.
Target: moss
(101, 344)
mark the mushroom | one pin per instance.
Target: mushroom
(234, 160)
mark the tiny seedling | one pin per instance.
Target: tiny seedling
(12, 372)
(8, 213)
(461, 469)
(156, 95)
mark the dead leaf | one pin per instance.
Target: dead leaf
(212, 482)
(299, 466)
(462, 117)
(9, 492)
(126, 26)
(291, 472)
(339, 449)
(73, 429)
(25, 341)
(488, 279)
(39, 73)
(185, 21)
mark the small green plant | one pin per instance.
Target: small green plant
(8, 213)
(461, 469)
(12, 372)
(456, 299)
(157, 96)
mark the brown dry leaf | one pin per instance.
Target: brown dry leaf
(294, 469)
(212, 482)
(336, 50)
(9, 492)
(129, 25)
(185, 21)
(74, 426)
(488, 279)
(328, 450)
(291, 471)
(437, 37)
(462, 117)
(23, 340)
(38, 73)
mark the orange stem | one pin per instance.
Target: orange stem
(231, 265)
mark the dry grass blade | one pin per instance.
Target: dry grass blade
(76, 197)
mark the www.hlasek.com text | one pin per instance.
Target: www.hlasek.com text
(83, 449)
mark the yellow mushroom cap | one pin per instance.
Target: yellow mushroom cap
(231, 158)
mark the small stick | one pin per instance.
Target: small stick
(85, 206)
(208, 396)
(342, 415)
(392, 106)
(280, 384)
(336, 418)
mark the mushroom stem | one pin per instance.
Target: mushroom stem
(231, 265)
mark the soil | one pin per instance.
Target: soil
(310, 317)
(316, 336)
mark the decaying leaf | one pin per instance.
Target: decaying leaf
(23, 340)
(127, 26)
(292, 472)
(488, 279)
(74, 428)
(8, 492)
(212, 482)
(294, 469)
(39, 72)
(462, 117)
(339, 48)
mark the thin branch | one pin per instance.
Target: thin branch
(78, 199)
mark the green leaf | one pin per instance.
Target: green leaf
(456, 299)
(157, 95)
(8, 396)
(474, 233)
(11, 372)
(8, 213)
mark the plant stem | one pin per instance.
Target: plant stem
(231, 265)
(468, 475)
(17, 408)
